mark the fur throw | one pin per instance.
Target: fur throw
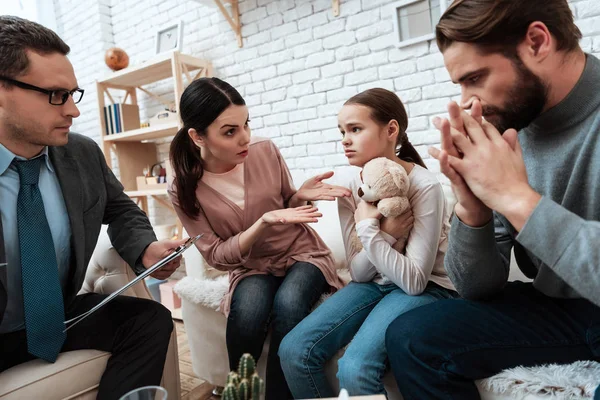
(578, 380)
(206, 292)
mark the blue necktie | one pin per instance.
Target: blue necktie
(42, 293)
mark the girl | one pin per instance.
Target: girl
(385, 283)
(238, 192)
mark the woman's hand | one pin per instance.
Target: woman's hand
(286, 216)
(366, 210)
(399, 226)
(315, 189)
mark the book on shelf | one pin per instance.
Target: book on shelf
(120, 117)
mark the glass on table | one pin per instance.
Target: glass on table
(146, 393)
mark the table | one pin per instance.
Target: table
(371, 397)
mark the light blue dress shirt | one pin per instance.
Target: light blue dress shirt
(58, 219)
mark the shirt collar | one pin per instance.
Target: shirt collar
(7, 157)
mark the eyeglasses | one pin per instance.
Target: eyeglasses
(56, 97)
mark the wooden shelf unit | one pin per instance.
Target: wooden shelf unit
(156, 69)
(134, 149)
(233, 17)
(152, 132)
(152, 192)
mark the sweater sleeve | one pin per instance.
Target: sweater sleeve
(411, 272)
(218, 253)
(571, 250)
(361, 269)
(478, 259)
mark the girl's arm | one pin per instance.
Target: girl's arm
(410, 272)
(361, 268)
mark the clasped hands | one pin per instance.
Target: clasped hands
(486, 168)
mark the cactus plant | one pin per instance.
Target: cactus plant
(244, 384)
(244, 389)
(230, 392)
(258, 386)
(246, 366)
(233, 378)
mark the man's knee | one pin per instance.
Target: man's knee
(397, 334)
(157, 318)
(164, 319)
(416, 331)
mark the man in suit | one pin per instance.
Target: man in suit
(56, 192)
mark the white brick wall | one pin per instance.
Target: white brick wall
(298, 65)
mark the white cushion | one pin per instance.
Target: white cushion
(38, 379)
(329, 229)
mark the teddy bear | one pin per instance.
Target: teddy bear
(385, 184)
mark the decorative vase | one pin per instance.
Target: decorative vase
(116, 58)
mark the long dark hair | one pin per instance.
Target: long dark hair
(201, 103)
(386, 106)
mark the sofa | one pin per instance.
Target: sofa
(201, 292)
(76, 374)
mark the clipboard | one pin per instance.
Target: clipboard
(178, 251)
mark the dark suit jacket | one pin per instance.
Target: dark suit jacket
(93, 196)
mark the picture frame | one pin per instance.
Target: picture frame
(169, 38)
(402, 31)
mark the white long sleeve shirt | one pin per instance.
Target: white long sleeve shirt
(427, 243)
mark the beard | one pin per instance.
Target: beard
(31, 132)
(526, 100)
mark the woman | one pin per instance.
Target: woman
(385, 283)
(238, 192)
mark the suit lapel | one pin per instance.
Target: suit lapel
(70, 184)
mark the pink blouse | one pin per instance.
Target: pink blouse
(268, 186)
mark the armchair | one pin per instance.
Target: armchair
(76, 374)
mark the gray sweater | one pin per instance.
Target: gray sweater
(559, 246)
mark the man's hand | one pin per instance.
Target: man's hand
(156, 251)
(493, 168)
(364, 211)
(469, 209)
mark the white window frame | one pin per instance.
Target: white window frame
(46, 14)
(394, 12)
(40, 11)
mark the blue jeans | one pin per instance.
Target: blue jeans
(357, 314)
(281, 302)
(438, 351)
